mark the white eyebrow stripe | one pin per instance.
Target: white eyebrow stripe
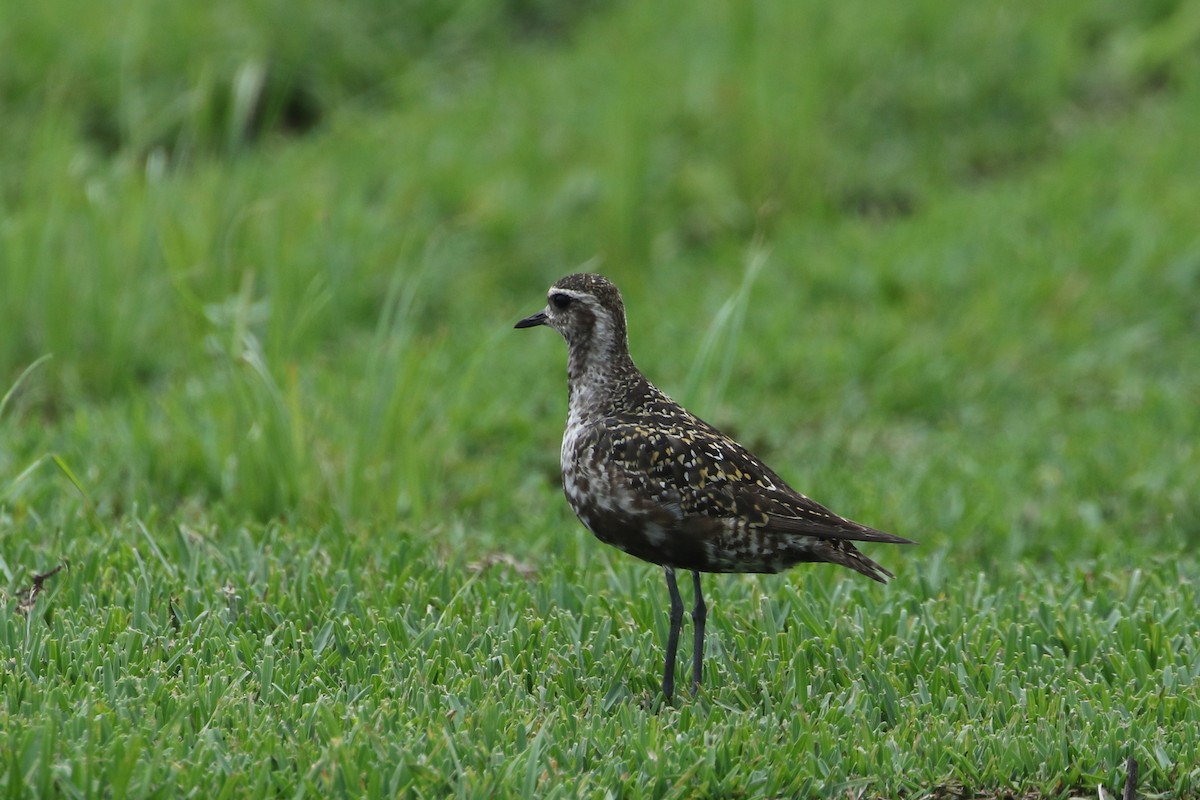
(571, 293)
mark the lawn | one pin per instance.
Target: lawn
(263, 404)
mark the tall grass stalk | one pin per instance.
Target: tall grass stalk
(715, 358)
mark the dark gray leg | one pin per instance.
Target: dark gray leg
(668, 685)
(699, 615)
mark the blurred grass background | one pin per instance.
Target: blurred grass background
(936, 263)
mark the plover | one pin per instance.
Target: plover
(649, 478)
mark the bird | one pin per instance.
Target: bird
(648, 477)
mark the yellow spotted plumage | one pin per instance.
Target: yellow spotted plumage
(647, 476)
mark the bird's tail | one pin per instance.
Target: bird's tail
(847, 555)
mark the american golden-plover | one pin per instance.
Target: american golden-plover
(648, 477)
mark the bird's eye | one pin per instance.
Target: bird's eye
(560, 301)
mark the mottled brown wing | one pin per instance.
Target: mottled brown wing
(709, 474)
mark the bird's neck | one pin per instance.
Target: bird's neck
(596, 378)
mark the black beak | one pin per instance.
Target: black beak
(533, 320)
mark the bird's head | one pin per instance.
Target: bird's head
(587, 310)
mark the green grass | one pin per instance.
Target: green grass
(937, 264)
